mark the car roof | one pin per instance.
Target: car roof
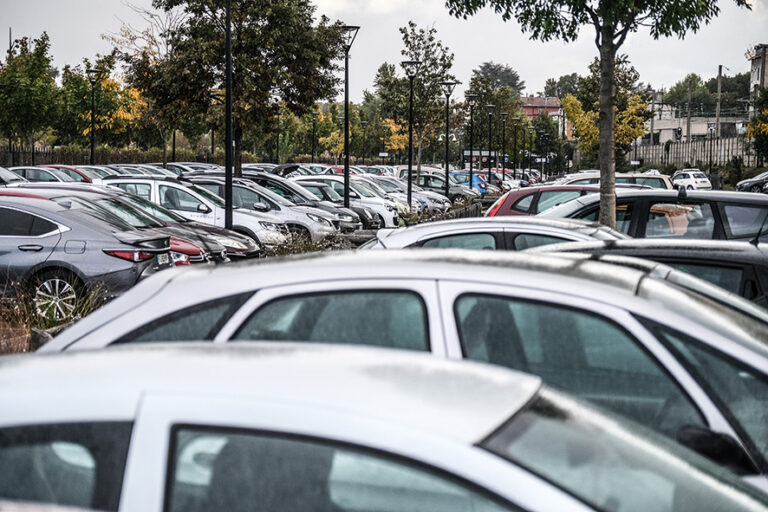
(703, 249)
(463, 401)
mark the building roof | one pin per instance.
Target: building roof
(540, 101)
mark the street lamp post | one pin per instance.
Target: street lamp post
(93, 76)
(504, 117)
(530, 147)
(228, 156)
(471, 99)
(411, 67)
(515, 120)
(490, 109)
(350, 33)
(711, 141)
(365, 124)
(314, 134)
(448, 88)
(277, 141)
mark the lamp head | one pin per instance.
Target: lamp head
(93, 75)
(471, 99)
(411, 67)
(490, 109)
(448, 87)
(349, 33)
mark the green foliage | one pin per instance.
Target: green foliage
(626, 79)
(499, 75)
(563, 86)
(699, 94)
(28, 94)
(759, 126)
(733, 89)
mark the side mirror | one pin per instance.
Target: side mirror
(717, 447)
(203, 208)
(261, 207)
(354, 194)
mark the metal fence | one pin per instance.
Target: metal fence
(696, 152)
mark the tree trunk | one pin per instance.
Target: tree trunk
(607, 124)
(165, 147)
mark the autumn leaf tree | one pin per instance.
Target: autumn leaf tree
(612, 22)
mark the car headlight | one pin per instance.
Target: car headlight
(229, 242)
(389, 207)
(179, 258)
(346, 218)
(319, 219)
(271, 226)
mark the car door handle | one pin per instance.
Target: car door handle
(31, 248)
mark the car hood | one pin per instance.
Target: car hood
(265, 217)
(314, 211)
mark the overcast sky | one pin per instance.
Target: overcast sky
(75, 27)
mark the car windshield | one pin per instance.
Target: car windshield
(94, 172)
(271, 195)
(388, 186)
(9, 177)
(612, 465)
(361, 189)
(63, 176)
(376, 188)
(130, 214)
(153, 209)
(92, 209)
(208, 195)
(302, 192)
(700, 175)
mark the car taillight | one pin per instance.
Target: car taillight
(497, 205)
(131, 255)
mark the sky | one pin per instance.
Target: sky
(76, 26)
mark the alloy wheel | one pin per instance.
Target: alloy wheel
(55, 299)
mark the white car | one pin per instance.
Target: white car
(492, 233)
(691, 179)
(197, 204)
(633, 340)
(384, 208)
(291, 428)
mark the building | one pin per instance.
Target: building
(535, 105)
(757, 57)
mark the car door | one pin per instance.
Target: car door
(185, 203)
(490, 239)
(588, 348)
(389, 313)
(26, 241)
(547, 199)
(678, 218)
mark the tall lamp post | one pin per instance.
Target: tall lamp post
(448, 88)
(471, 99)
(314, 134)
(228, 156)
(515, 121)
(490, 109)
(711, 141)
(350, 33)
(277, 140)
(530, 147)
(504, 117)
(411, 68)
(93, 76)
(365, 124)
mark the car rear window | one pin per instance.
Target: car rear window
(744, 221)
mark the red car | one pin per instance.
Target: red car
(534, 200)
(76, 174)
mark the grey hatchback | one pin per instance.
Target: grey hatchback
(59, 254)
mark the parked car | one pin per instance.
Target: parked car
(692, 179)
(60, 254)
(299, 428)
(624, 338)
(491, 234)
(436, 183)
(739, 267)
(434, 202)
(385, 209)
(42, 174)
(478, 183)
(325, 192)
(77, 174)
(755, 184)
(197, 204)
(305, 221)
(682, 214)
(7, 177)
(99, 171)
(660, 182)
(289, 170)
(534, 200)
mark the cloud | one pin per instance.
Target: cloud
(341, 8)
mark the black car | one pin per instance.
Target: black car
(739, 267)
(685, 214)
(755, 184)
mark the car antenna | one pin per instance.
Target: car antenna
(755, 241)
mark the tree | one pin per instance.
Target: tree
(279, 50)
(733, 88)
(694, 86)
(758, 127)
(612, 21)
(498, 75)
(428, 105)
(563, 86)
(28, 93)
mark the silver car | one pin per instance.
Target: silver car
(294, 428)
(624, 338)
(492, 233)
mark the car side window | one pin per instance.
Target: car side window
(142, 190)
(386, 318)
(524, 204)
(582, 353)
(744, 221)
(724, 276)
(16, 223)
(651, 182)
(586, 181)
(479, 241)
(529, 240)
(177, 199)
(201, 322)
(676, 220)
(213, 188)
(623, 216)
(550, 198)
(40, 175)
(74, 464)
(246, 198)
(218, 469)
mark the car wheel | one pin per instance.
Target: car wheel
(300, 233)
(689, 187)
(382, 224)
(756, 188)
(56, 295)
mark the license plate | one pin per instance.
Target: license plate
(163, 259)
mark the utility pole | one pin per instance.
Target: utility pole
(688, 125)
(719, 96)
(653, 113)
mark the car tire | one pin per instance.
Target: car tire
(756, 188)
(56, 294)
(690, 187)
(300, 233)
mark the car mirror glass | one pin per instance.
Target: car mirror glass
(203, 208)
(261, 207)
